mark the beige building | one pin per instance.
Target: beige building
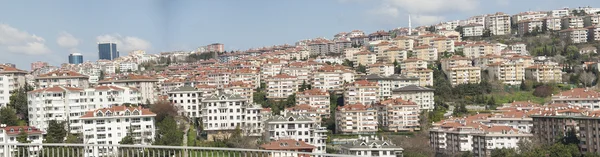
(398, 115)
(363, 92)
(364, 58)
(577, 35)
(61, 78)
(395, 54)
(544, 73)
(443, 44)
(476, 50)
(356, 119)
(484, 61)
(281, 86)
(455, 61)
(413, 64)
(425, 76)
(498, 24)
(384, 69)
(426, 52)
(403, 42)
(319, 99)
(240, 88)
(148, 86)
(423, 96)
(528, 26)
(572, 22)
(464, 75)
(510, 73)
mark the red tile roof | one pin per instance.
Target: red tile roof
(17, 129)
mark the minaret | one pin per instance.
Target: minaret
(409, 26)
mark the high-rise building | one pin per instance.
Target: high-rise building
(75, 58)
(107, 51)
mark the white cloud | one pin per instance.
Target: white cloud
(17, 41)
(67, 40)
(424, 11)
(125, 44)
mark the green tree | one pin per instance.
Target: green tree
(72, 138)
(128, 139)
(504, 152)
(8, 116)
(491, 103)
(487, 33)
(304, 86)
(101, 77)
(466, 154)
(163, 109)
(361, 68)
(22, 138)
(56, 132)
(18, 101)
(291, 100)
(524, 86)
(168, 133)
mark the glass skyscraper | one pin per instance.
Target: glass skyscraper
(75, 58)
(108, 51)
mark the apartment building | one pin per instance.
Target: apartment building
(548, 126)
(486, 60)
(10, 134)
(528, 26)
(187, 100)
(591, 20)
(593, 33)
(380, 47)
(246, 75)
(426, 39)
(398, 115)
(520, 48)
(476, 50)
(297, 128)
(403, 42)
(68, 103)
(381, 68)
(315, 98)
(307, 111)
(331, 77)
(394, 54)
(580, 97)
(240, 88)
(443, 44)
(425, 76)
(497, 137)
(61, 78)
(553, 23)
(426, 52)
(301, 70)
(455, 61)
(10, 79)
(529, 15)
(413, 64)
(364, 58)
(422, 96)
(480, 19)
(464, 75)
(281, 86)
(111, 125)
(349, 53)
(453, 137)
(388, 83)
(223, 113)
(571, 22)
(362, 91)
(510, 73)
(574, 35)
(559, 12)
(272, 67)
(544, 73)
(473, 30)
(206, 90)
(498, 24)
(146, 85)
(356, 119)
(371, 146)
(319, 46)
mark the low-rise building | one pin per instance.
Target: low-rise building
(187, 100)
(281, 86)
(371, 146)
(297, 128)
(10, 135)
(363, 92)
(580, 97)
(572, 22)
(223, 113)
(510, 73)
(574, 35)
(291, 148)
(497, 137)
(356, 119)
(464, 75)
(388, 83)
(425, 76)
(544, 73)
(315, 98)
(384, 69)
(426, 52)
(398, 115)
(473, 30)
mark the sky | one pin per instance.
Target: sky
(36, 30)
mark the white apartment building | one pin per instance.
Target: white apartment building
(146, 85)
(361, 92)
(384, 69)
(496, 137)
(477, 50)
(128, 66)
(246, 75)
(520, 48)
(316, 98)
(544, 73)
(473, 30)
(559, 12)
(298, 128)
(580, 97)
(281, 86)
(68, 103)
(498, 24)
(398, 115)
(371, 146)
(111, 125)
(591, 20)
(9, 135)
(422, 96)
(413, 64)
(240, 88)
(388, 83)
(332, 77)
(572, 22)
(529, 15)
(223, 113)
(403, 42)
(528, 26)
(356, 119)
(553, 23)
(574, 35)
(593, 33)
(300, 70)
(455, 61)
(10, 79)
(480, 19)
(187, 100)
(61, 78)
(272, 67)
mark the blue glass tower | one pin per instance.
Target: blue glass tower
(107, 51)
(75, 58)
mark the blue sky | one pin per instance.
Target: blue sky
(49, 30)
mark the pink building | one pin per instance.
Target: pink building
(37, 65)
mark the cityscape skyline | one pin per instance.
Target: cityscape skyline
(158, 26)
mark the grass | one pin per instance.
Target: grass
(502, 98)
(191, 137)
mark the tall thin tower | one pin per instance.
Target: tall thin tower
(409, 25)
